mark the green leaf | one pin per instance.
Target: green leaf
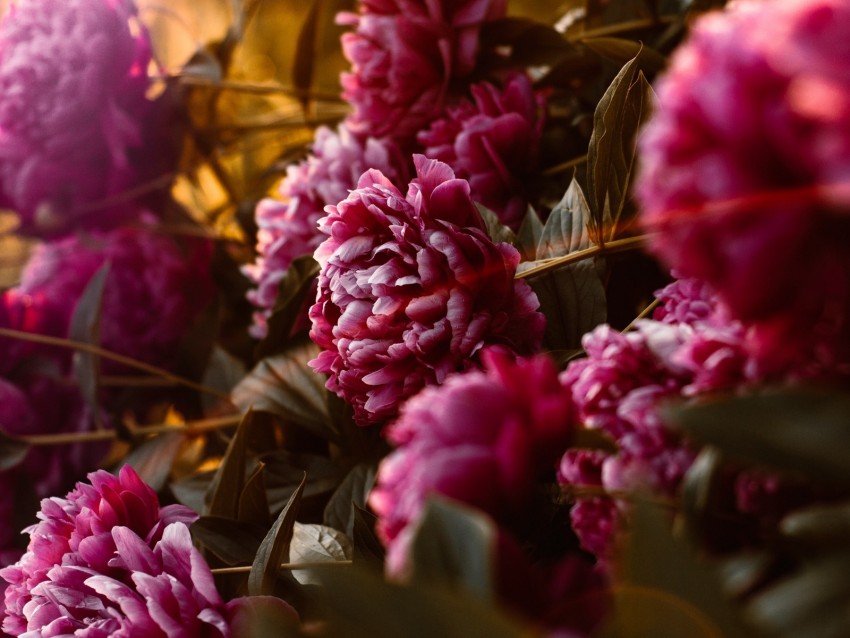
(360, 604)
(497, 231)
(804, 431)
(624, 107)
(354, 490)
(565, 231)
(289, 304)
(316, 544)
(192, 490)
(573, 300)
(621, 51)
(153, 458)
(453, 545)
(286, 386)
(253, 503)
(275, 546)
(85, 327)
(233, 542)
(285, 470)
(12, 451)
(226, 488)
(528, 235)
(665, 592)
(368, 550)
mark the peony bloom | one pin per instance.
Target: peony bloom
(745, 171)
(410, 289)
(483, 438)
(404, 56)
(287, 229)
(76, 127)
(493, 143)
(152, 294)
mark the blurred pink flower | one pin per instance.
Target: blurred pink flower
(745, 171)
(410, 289)
(76, 127)
(75, 538)
(153, 292)
(483, 438)
(493, 143)
(288, 228)
(404, 56)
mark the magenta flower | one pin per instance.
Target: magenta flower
(744, 171)
(152, 294)
(483, 438)
(404, 56)
(288, 228)
(493, 143)
(411, 288)
(76, 127)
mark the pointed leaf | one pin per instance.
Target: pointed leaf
(368, 550)
(85, 327)
(284, 471)
(354, 490)
(193, 489)
(253, 503)
(275, 547)
(624, 107)
(804, 431)
(528, 235)
(233, 542)
(289, 304)
(286, 386)
(226, 488)
(573, 300)
(497, 231)
(566, 229)
(317, 544)
(12, 451)
(454, 545)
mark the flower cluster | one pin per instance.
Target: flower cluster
(493, 143)
(405, 54)
(744, 171)
(107, 560)
(77, 127)
(411, 288)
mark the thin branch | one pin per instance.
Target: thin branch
(244, 569)
(616, 246)
(625, 27)
(643, 314)
(111, 356)
(565, 166)
(190, 428)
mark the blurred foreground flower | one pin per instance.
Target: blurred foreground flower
(76, 125)
(410, 289)
(745, 171)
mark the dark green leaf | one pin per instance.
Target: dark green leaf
(360, 604)
(226, 488)
(354, 489)
(285, 470)
(454, 545)
(275, 546)
(253, 503)
(234, 542)
(528, 235)
(497, 231)
(286, 386)
(565, 231)
(192, 490)
(368, 550)
(624, 107)
(665, 591)
(621, 51)
(289, 304)
(152, 459)
(573, 300)
(85, 327)
(796, 431)
(12, 451)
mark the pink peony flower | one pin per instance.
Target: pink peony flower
(152, 294)
(76, 533)
(745, 171)
(483, 438)
(493, 143)
(411, 288)
(288, 229)
(404, 56)
(76, 127)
